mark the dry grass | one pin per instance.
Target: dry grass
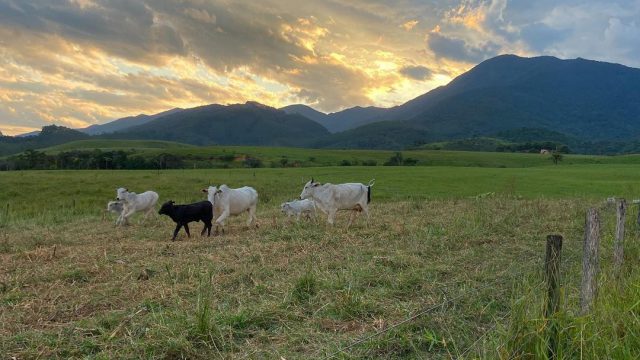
(85, 288)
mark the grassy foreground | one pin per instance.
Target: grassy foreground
(73, 285)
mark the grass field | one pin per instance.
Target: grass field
(201, 157)
(465, 242)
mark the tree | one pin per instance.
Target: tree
(556, 157)
(395, 160)
(251, 162)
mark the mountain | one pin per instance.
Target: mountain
(588, 105)
(308, 112)
(584, 99)
(239, 124)
(353, 117)
(124, 123)
(342, 120)
(377, 135)
(49, 136)
(32, 133)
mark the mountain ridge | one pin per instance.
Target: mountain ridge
(585, 101)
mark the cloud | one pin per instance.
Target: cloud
(200, 15)
(458, 49)
(416, 72)
(409, 25)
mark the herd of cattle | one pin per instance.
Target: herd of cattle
(223, 202)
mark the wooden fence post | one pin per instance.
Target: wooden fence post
(618, 247)
(590, 266)
(552, 274)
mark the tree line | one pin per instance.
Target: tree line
(86, 160)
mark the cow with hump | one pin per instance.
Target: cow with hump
(232, 202)
(330, 198)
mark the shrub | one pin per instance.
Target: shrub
(369, 163)
(345, 163)
(395, 160)
(410, 162)
(251, 162)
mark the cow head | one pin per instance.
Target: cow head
(284, 207)
(166, 208)
(114, 206)
(120, 193)
(212, 192)
(309, 189)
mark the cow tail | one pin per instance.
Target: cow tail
(371, 183)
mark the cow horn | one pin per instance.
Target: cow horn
(312, 179)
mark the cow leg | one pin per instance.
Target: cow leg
(146, 215)
(331, 217)
(186, 228)
(354, 213)
(127, 215)
(222, 218)
(252, 216)
(204, 228)
(208, 223)
(175, 232)
(365, 210)
(121, 220)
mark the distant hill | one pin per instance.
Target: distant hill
(108, 144)
(238, 124)
(31, 133)
(124, 123)
(49, 136)
(377, 135)
(342, 120)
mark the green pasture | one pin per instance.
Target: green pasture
(204, 156)
(31, 194)
(465, 242)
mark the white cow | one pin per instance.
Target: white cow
(232, 202)
(330, 198)
(115, 207)
(133, 203)
(304, 207)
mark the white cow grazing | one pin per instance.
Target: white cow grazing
(133, 203)
(330, 198)
(232, 202)
(115, 207)
(304, 207)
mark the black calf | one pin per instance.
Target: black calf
(182, 215)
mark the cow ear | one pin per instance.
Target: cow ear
(205, 190)
(316, 184)
(171, 202)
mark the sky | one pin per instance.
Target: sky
(81, 62)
